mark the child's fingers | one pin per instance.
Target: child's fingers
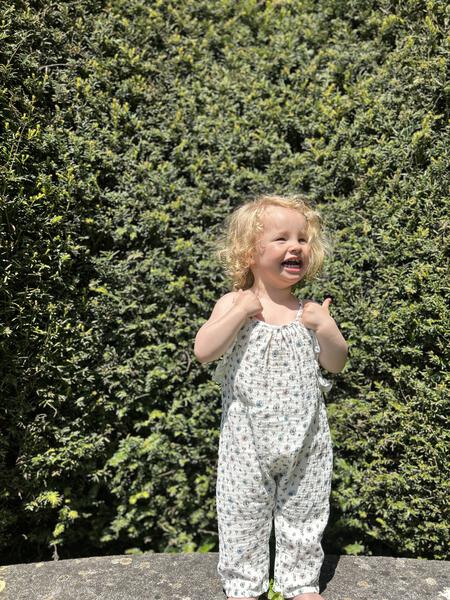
(326, 303)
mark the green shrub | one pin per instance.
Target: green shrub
(128, 132)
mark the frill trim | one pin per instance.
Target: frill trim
(324, 384)
(221, 369)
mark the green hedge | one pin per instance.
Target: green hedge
(128, 131)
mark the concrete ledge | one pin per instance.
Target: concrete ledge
(194, 577)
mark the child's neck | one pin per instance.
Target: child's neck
(283, 297)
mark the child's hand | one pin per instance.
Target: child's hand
(314, 315)
(248, 301)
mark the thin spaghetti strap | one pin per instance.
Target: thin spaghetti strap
(299, 312)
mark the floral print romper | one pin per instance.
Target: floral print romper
(275, 459)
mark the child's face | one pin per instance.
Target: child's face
(285, 236)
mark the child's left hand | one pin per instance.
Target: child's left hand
(314, 315)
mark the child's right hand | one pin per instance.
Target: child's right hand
(248, 301)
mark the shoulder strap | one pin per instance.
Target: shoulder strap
(299, 312)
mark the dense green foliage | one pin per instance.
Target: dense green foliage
(128, 131)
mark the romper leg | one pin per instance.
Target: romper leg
(245, 500)
(301, 513)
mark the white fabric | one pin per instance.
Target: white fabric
(275, 460)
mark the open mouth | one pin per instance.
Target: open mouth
(292, 265)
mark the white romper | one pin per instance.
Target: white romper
(275, 459)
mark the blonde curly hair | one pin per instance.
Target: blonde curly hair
(234, 248)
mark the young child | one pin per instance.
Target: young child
(275, 453)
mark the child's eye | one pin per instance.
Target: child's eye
(282, 238)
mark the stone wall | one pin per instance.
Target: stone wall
(194, 577)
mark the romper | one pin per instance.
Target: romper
(275, 459)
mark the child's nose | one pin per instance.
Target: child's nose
(295, 247)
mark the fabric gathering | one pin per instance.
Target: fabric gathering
(275, 459)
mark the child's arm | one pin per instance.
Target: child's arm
(216, 335)
(333, 347)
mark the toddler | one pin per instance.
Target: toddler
(275, 454)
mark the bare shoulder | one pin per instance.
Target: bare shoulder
(221, 307)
